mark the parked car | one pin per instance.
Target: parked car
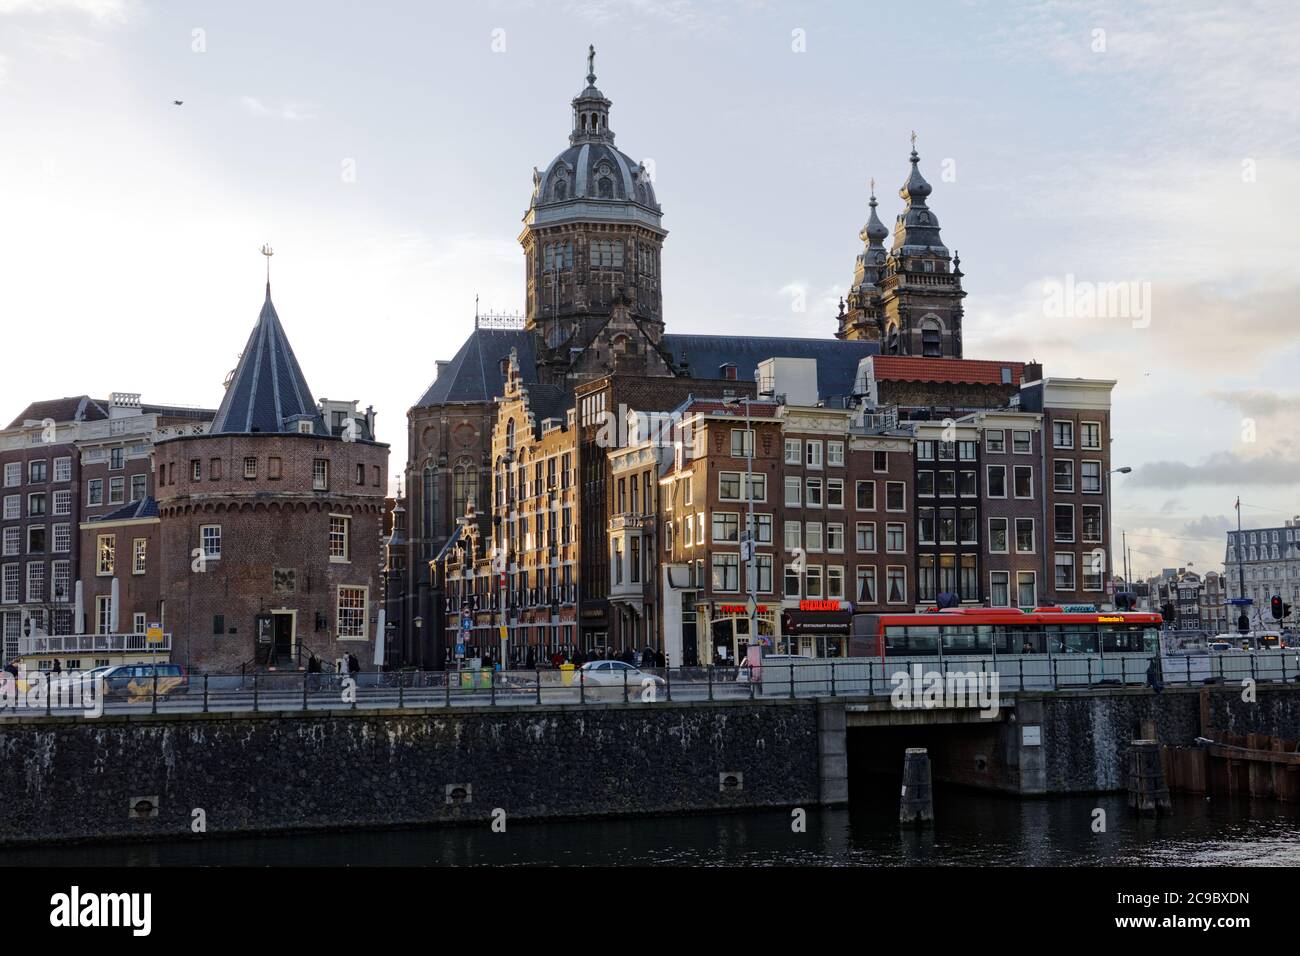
(75, 681)
(1218, 647)
(137, 681)
(604, 680)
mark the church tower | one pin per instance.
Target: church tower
(592, 239)
(863, 318)
(920, 284)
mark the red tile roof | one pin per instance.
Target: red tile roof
(911, 368)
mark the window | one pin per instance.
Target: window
(137, 622)
(814, 493)
(895, 496)
(320, 474)
(688, 532)
(793, 537)
(763, 529)
(968, 584)
(997, 481)
(35, 582)
(998, 536)
(1000, 589)
(866, 537)
(1062, 434)
(969, 526)
(835, 453)
(793, 492)
(925, 577)
(813, 581)
(361, 475)
(1062, 475)
(1022, 442)
(865, 590)
(726, 526)
(138, 487)
(925, 484)
(105, 549)
(352, 612)
(13, 474)
(995, 440)
(792, 583)
(13, 507)
(1090, 476)
(688, 492)
(1090, 435)
(742, 443)
(1063, 525)
(966, 484)
(925, 525)
(104, 614)
(1065, 572)
(62, 538)
(63, 502)
(756, 486)
(895, 538)
(94, 492)
(880, 461)
(36, 471)
(947, 484)
(196, 469)
(35, 505)
(340, 545)
(966, 451)
(116, 490)
(947, 451)
(835, 493)
(9, 584)
(793, 451)
(1092, 574)
(36, 539)
(13, 541)
(813, 459)
(835, 582)
(1023, 481)
(896, 585)
(947, 525)
(835, 538)
(139, 555)
(726, 572)
(210, 538)
(925, 451)
(1092, 523)
(866, 495)
(1024, 535)
(61, 581)
(250, 467)
(116, 458)
(813, 535)
(1026, 589)
(729, 486)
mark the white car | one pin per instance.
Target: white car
(604, 680)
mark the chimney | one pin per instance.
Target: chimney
(1033, 372)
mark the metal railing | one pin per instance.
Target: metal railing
(66, 644)
(282, 691)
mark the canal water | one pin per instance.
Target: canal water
(971, 828)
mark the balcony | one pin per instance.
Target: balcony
(71, 644)
(627, 521)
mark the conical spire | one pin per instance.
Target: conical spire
(871, 260)
(591, 110)
(268, 392)
(916, 231)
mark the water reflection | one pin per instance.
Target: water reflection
(971, 828)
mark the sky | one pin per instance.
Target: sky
(1145, 151)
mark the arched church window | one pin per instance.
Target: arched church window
(931, 339)
(892, 343)
(561, 189)
(510, 435)
(464, 485)
(606, 187)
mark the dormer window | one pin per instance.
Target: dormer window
(304, 428)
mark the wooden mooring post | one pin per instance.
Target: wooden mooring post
(916, 803)
(1147, 792)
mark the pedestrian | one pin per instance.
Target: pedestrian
(530, 662)
(1153, 676)
(313, 672)
(354, 665)
(648, 657)
(660, 661)
(57, 668)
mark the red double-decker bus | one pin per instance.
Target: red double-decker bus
(973, 631)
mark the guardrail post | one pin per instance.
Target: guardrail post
(582, 686)
(446, 688)
(668, 682)
(492, 687)
(625, 685)
(1055, 684)
(1090, 672)
(871, 675)
(710, 670)
(833, 680)
(254, 692)
(1189, 670)
(306, 676)
(49, 692)
(205, 693)
(356, 689)
(539, 685)
(1252, 665)
(792, 680)
(401, 689)
(154, 707)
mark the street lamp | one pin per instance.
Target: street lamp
(1124, 470)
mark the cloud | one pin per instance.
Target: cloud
(105, 11)
(1258, 402)
(1224, 468)
(285, 111)
(1209, 526)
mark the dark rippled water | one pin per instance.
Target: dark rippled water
(971, 828)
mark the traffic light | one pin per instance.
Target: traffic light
(1278, 610)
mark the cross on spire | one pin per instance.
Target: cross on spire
(591, 64)
(268, 252)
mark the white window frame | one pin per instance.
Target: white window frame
(205, 539)
(359, 633)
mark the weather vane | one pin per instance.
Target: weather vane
(873, 187)
(268, 252)
(914, 141)
(591, 63)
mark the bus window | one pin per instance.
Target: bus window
(1125, 638)
(895, 641)
(1027, 640)
(1080, 639)
(923, 641)
(1151, 640)
(965, 639)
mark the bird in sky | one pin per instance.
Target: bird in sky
(177, 102)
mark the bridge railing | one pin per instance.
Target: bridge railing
(168, 692)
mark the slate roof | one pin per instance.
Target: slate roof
(268, 389)
(77, 408)
(475, 375)
(146, 507)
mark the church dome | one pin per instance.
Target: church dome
(592, 179)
